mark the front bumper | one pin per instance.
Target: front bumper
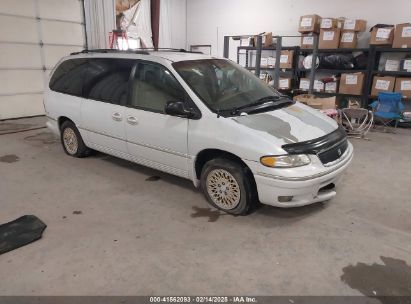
(306, 189)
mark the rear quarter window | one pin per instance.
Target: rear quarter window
(107, 80)
(68, 77)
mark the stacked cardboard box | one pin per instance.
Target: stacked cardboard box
(332, 34)
(382, 84)
(351, 83)
(331, 86)
(329, 38)
(267, 39)
(309, 24)
(318, 86)
(329, 34)
(403, 85)
(286, 59)
(349, 35)
(316, 102)
(304, 84)
(389, 84)
(382, 35)
(284, 83)
(402, 36)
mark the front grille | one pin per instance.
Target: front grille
(334, 153)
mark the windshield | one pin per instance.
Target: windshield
(223, 85)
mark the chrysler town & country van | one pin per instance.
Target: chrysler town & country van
(201, 118)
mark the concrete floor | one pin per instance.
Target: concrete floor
(141, 237)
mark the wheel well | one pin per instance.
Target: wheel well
(209, 154)
(62, 119)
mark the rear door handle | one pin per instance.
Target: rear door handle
(117, 116)
(132, 120)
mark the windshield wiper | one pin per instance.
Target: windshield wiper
(258, 102)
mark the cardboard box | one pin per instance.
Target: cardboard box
(309, 100)
(405, 65)
(316, 102)
(307, 42)
(328, 23)
(309, 24)
(382, 35)
(402, 36)
(304, 84)
(356, 25)
(329, 39)
(318, 86)
(382, 84)
(271, 61)
(331, 87)
(392, 65)
(348, 40)
(286, 60)
(267, 39)
(328, 102)
(284, 83)
(351, 83)
(403, 85)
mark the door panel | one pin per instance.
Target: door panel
(106, 89)
(157, 140)
(153, 138)
(103, 124)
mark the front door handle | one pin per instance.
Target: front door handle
(132, 120)
(117, 116)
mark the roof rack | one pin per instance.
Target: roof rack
(141, 51)
(86, 51)
(168, 49)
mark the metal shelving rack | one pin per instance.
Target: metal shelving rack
(293, 72)
(278, 71)
(376, 53)
(315, 51)
(366, 71)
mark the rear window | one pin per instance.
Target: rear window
(68, 77)
(102, 79)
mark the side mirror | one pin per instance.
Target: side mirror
(178, 108)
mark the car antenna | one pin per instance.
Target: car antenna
(218, 113)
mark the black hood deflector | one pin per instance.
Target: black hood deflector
(317, 145)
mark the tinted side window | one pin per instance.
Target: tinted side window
(107, 80)
(153, 86)
(68, 77)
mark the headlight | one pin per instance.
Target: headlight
(285, 161)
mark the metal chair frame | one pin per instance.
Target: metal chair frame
(362, 125)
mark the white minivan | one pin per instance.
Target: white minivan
(201, 118)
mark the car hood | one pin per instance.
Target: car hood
(288, 125)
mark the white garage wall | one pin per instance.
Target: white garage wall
(178, 23)
(209, 20)
(173, 19)
(34, 35)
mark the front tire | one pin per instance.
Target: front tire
(227, 186)
(72, 141)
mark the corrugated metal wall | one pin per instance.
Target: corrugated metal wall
(34, 35)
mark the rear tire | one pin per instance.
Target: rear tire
(227, 186)
(72, 141)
